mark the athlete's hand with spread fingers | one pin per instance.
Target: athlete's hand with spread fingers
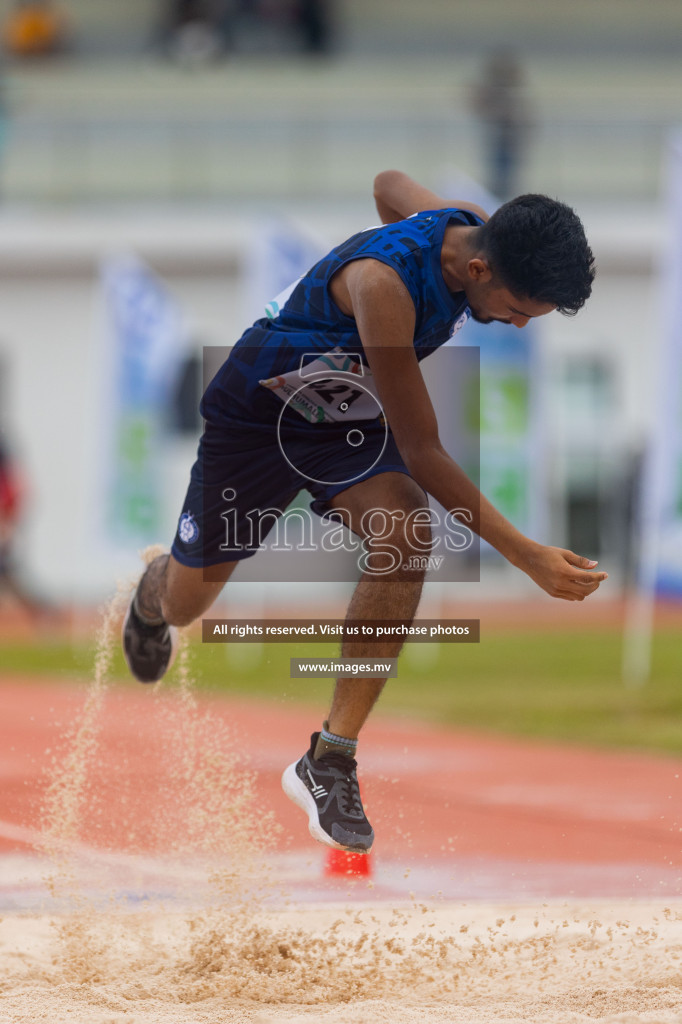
(560, 572)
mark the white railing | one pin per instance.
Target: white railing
(82, 158)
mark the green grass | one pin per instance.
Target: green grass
(562, 685)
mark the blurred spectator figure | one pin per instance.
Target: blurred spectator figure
(11, 498)
(500, 100)
(314, 25)
(196, 31)
(35, 28)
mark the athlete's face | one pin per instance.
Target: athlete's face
(497, 305)
(490, 302)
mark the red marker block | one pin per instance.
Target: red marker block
(345, 864)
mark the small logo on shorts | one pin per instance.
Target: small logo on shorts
(188, 531)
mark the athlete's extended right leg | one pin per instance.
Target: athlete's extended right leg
(169, 594)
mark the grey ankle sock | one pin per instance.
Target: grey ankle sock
(329, 743)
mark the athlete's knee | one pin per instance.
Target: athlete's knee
(397, 541)
(407, 528)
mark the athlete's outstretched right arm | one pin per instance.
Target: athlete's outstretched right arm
(398, 196)
(385, 316)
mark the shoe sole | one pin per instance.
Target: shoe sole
(174, 648)
(303, 798)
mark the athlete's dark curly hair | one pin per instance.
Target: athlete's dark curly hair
(536, 247)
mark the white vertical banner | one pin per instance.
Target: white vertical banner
(144, 341)
(665, 479)
(657, 542)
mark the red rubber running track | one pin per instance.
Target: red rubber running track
(465, 814)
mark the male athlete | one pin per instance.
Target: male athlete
(385, 298)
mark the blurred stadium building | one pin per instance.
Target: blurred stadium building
(123, 145)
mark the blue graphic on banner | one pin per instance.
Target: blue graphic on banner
(145, 345)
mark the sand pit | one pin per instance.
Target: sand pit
(400, 964)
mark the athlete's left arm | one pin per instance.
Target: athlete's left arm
(398, 196)
(385, 316)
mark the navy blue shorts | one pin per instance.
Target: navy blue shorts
(254, 459)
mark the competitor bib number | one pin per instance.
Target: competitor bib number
(330, 389)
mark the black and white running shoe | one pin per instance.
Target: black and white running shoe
(327, 789)
(149, 651)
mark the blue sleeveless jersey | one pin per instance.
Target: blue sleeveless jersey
(306, 321)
